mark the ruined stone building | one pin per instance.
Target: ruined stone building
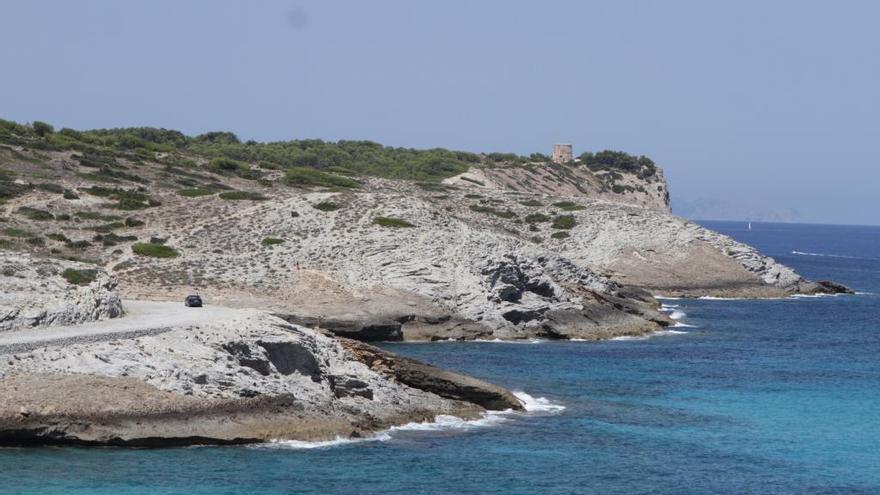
(561, 153)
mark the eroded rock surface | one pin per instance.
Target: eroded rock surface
(36, 294)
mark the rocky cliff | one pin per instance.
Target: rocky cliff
(36, 293)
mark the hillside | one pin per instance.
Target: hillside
(408, 244)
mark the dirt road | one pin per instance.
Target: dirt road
(141, 318)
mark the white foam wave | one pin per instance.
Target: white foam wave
(666, 298)
(537, 404)
(814, 296)
(668, 307)
(336, 442)
(442, 422)
(501, 341)
(658, 333)
(677, 314)
(679, 324)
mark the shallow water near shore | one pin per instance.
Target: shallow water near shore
(767, 396)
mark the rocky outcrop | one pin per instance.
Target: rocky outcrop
(36, 294)
(250, 378)
(431, 379)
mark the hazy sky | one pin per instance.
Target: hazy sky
(771, 103)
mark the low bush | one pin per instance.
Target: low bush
(492, 211)
(133, 222)
(126, 199)
(568, 206)
(309, 177)
(58, 237)
(49, 187)
(112, 239)
(83, 244)
(326, 206)
(70, 194)
(15, 232)
(35, 213)
(154, 250)
(42, 129)
(195, 193)
(108, 227)
(536, 218)
(564, 222)
(242, 195)
(560, 235)
(392, 222)
(531, 202)
(79, 277)
(271, 241)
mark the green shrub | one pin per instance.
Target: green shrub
(70, 194)
(194, 193)
(569, 206)
(154, 250)
(227, 165)
(271, 241)
(79, 277)
(126, 199)
(531, 202)
(42, 129)
(8, 187)
(565, 222)
(536, 218)
(309, 177)
(492, 211)
(58, 237)
(326, 206)
(15, 232)
(83, 244)
(560, 235)
(112, 239)
(618, 160)
(49, 187)
(108, 227)
(392, 222)
(242, 195)
(473, 196)
(35, 214)
(36, 241)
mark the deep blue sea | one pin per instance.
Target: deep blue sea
(776, 396)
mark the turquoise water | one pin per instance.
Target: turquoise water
(778, 396)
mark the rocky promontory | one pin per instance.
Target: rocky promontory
(236, 376)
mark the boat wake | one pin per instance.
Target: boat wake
(826, 255)
(534, 406)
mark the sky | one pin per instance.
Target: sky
(771, 105)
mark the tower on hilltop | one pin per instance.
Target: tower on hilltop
(561, 153)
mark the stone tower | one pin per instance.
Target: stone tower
(561, 153)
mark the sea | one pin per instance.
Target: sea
(742, 396)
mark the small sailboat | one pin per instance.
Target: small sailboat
(750, 225)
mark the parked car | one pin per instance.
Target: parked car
(193, 301)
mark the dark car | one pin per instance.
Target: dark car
(193, 301)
